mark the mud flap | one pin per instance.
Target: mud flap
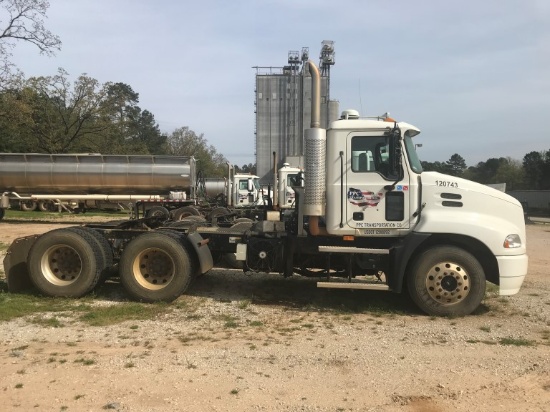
(15, 264)
(200, 246)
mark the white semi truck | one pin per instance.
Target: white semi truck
(383, 224)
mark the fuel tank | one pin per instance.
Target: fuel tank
(95, 173)
(215, 186)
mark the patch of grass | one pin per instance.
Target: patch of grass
(52, 322)
(19, 386)
(516, 342)
(230, 321)
(13, 305)
(485, 328)
(77, 397)
(129, 365)
(111, 315)
(243, 304)
(234, 391)
(256, 323)
(4, 246)
(12, 214)
(85, 361)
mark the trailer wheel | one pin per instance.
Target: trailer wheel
(45, 205)
(65, 262)
(446, 281)
(158, 211)
(155, 267)
(183, 212)
(218, 215)
(28, 205)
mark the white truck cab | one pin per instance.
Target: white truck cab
(388, 195)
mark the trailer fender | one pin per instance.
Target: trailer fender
(200, 245)
(15, 264)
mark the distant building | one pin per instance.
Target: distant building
(532, 199)
(283, 109)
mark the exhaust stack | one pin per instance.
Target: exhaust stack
(315, 153)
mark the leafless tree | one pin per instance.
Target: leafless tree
(23, 21)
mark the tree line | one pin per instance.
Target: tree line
(51, 114)
(532, 173)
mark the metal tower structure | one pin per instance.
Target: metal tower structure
(283, 108)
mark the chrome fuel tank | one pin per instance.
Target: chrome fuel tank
(95, 173)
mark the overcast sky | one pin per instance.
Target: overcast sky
(474, 76)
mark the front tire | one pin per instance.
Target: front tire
(446, 281)
(155, 267)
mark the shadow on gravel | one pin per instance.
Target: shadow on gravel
(297, 293)
(294, 293)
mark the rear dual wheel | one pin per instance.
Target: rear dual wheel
(65, 262)
(156, 267)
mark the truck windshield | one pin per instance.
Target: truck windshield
(414, 161)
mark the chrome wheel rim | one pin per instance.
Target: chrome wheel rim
(448, 283)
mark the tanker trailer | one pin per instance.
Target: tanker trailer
(154, 184)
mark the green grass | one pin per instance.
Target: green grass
(14, 305)
(111, 315)
(52, 322)
(43, 310)
(516, 342)
(12, 214)
(85, 361)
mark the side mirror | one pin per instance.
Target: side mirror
(395, 153)
(250, 185)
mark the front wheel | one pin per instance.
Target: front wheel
(446, 281)
(155, 267)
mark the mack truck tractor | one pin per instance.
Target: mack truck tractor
(368, 217)
(147, 184)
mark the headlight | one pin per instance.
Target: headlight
(512, 241)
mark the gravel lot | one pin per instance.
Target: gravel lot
(239, 342)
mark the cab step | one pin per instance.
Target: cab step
(353, 285)
(351, 249)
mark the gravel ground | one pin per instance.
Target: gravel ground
(239, 342)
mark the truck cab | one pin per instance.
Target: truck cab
(245, 190)
(287, 178)
(387, 195)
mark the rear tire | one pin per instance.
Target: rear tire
(183, 212)
(28, 205)
(158, 211)
(155, 267)
(446, 281)
(45, 205)
(104, 247)
(65, 263)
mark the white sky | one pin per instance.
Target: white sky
(474, 76)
